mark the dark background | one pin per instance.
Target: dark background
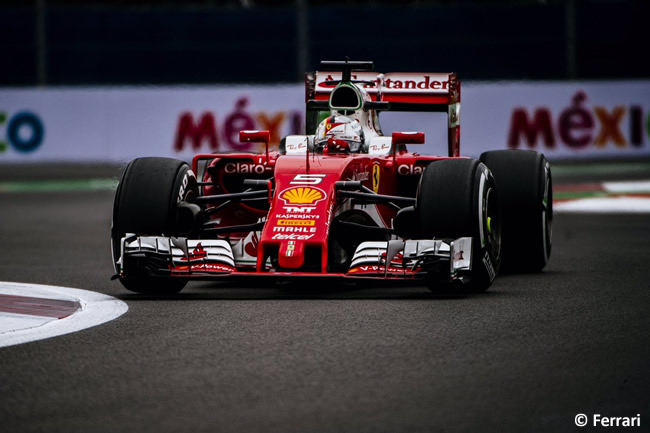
(70, 42)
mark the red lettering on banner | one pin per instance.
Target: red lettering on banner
(576, 123)
(195, 131)
(205, 129)
(272, 124)
(578, 126)
(610, 126)
(237, 121)
(541, 125)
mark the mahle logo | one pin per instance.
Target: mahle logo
(24, 131)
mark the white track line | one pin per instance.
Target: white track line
(604, 205)
(629, 187)
(96, 308)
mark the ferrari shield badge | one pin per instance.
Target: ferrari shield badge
(375, 178)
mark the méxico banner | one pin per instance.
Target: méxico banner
(564, 120)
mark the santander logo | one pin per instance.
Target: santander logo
(399, 82)
(417, 83)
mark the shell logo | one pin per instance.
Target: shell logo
(302, 195)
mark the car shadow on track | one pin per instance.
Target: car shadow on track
(228, 291)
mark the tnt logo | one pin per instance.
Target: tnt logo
(24, 131)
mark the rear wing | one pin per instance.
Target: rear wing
(398, 91)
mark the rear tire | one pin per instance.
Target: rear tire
(145, 203)
(526, 190)
(458, 198)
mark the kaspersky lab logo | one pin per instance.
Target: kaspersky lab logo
(24, 131)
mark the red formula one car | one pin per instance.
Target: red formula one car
(342, 201)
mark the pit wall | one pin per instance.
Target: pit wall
(564, 120)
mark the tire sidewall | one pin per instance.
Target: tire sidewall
(486, 246)
(454, 199)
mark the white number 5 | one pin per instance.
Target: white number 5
(307, 179)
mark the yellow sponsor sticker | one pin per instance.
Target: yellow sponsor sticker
(302, 195)
(296, 222)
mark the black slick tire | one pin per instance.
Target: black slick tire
(526, 190)
(458, 198)
(145, 204)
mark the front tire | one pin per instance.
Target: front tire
(526, 188)
(458, 198)
(146, 203)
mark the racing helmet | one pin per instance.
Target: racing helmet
(342, 129)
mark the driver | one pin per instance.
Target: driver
(341, 134)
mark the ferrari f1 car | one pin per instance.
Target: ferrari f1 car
(342, 201)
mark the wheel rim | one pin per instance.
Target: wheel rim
(492, 223)
(547, 213)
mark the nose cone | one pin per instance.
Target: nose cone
(291, 254)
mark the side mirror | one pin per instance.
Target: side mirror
(408, 138)
(256, 137)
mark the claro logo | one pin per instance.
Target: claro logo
(409, 170)
(579, 127)
(245, 168)
(24, 131)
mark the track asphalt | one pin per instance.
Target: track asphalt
(27, 309)
(530, 355)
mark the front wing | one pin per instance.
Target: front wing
(205, 259)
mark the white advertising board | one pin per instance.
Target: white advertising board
(119, 124)
(563, 120)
